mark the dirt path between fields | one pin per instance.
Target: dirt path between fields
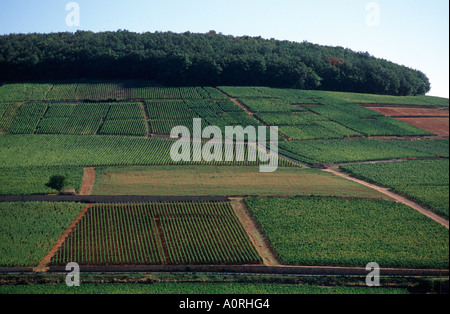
(88, 181)
(43, 265)
(396, 197)
(380, 161)
(259, 240)
(249, 112)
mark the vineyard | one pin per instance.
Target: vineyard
(35, 180)
(77, 108)
(70, 150)
(159, 234)
(426, 181)
(343, 151)
(319, 231)
(312, 115)
(94, 91)
(112, 139)
(29, 230)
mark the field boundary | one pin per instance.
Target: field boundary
(94, 199)
(404, 106)
(257, 237)
(395, 196)
(110, 198)
(43, 265)
(88, 181)
(244, 269)
(381, 161)
(279, 270)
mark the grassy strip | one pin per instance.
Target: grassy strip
(224, 181)
(47, 282)
(194, 289)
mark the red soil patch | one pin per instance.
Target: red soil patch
(411, 112)
(439, 126)
(434, 120)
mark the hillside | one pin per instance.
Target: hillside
(202, 59)
(352, 177)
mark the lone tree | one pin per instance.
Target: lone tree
(57, 183)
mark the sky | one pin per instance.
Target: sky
(414, 33)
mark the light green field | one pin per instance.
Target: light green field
(224, 181)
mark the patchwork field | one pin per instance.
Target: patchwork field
(304, 216)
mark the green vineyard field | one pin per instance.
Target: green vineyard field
(425, 181)
(340, 232)
(90, 151)
(342, 151)
(30, 229)
(159, 234)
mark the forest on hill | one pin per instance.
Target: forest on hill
(210, 59)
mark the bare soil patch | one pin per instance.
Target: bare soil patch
(88, 181)
(439, 126)
(411, 112)
(434, 120)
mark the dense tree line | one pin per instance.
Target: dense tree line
(201, 59)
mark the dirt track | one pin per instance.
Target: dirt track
(249, 269)
(88, 181)
(110, 199)
(396, 197)
(256, 235)
(43, 265)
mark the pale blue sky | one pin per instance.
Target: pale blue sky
(414, 33)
